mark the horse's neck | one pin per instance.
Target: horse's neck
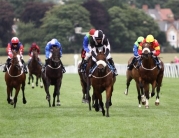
(13, 70)
(148, 62)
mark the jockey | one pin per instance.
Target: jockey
(155, 49)
(87, 49)
(100, 40)
(16, 45)
(135, 52)
(53, 43)
(34, 46)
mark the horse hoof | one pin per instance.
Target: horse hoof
(32, 87)
(146, 107)
(28, 82)
(83, 101)
(157, 104)
(41, 86)
(139, 106)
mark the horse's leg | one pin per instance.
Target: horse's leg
(37, 78)
(159, 83)
(88, 97)
(41, 84)
(47, 85)
(17, 89)
(146, 87)
(32, 81)
(108, 99)
(143, 98)
(101, 103)
(139, 95)
(129, 78)
(58, 92)
(9, 92)
(23, 93)
(29, 78)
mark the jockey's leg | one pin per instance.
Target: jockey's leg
(24, 66)
(84, 62)
(46, 63)
(157, 62)
(93, 65)
(63, 68)
(139, 62)
(7, 64)
(130, 66)
(112, 64)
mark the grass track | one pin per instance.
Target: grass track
(73, 120)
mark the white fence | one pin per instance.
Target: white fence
(171, 70)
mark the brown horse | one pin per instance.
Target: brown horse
(15, 78)
(85, 83)
(102, 79)
(150, 74)
(133, 74)
(53, 76)
(35, 69)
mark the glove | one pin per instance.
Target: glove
(138, 57)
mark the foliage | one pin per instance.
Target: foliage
(28, 34)
(59, 23)
(34, 11)
(99, 16)
(6, 22)
(127, 24)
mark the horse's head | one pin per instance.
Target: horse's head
(35, 54)
(55, 56)
(16, 60)
(101, 59)
(146, 52)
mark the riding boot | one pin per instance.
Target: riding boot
(130, 66)
(63, 68)
(157, 62)
(24, 66)
(93, 63)
(6, 65)
(139, 63)
(43, 67)
(112, 64)
(83, 65)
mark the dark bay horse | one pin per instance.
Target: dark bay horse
(53, 76)
(150, 74)
(102, 80)
(15, 78)
(133, 74)
(85, 83)
(35, 69)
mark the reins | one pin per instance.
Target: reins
(102, 76)
(11, 75)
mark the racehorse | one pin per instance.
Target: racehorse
(149, 74)
(133, 74)
(15, 78)
(85, 83)
(102, 79)
(53, 76)
(35, 69)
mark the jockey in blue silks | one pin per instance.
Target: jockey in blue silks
(135, 52)
(53, 43)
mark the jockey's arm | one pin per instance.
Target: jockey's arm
(106, 42)
(85, 44)
(47, 51)
(156, 52)
(135, 50)
(8, 50)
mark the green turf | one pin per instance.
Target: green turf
(73, 119)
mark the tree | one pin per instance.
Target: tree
(34, 12)
(127, 24)
(59, 23)
(6, 21)
(99, 15)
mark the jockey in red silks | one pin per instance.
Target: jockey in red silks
(34, 46)
(86, 53)
(16, 45)
(155, 49)
(100, 40)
